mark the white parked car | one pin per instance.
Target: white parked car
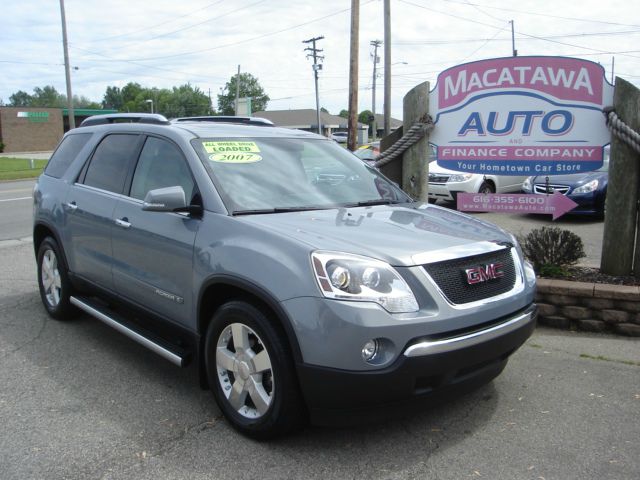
(340, 137)
(445, 184)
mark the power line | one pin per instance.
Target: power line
(574, 19)
(240, 42)
(476, 40)
(144, 29)
(188, 27)
(494, 26)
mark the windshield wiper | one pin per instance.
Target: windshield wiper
(371, 203)
(263, 211)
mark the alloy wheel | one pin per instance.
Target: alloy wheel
(244, 371)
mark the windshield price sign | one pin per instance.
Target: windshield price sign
(521, 116)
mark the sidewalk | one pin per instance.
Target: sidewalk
(34, 155)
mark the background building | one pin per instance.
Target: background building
(37, 129)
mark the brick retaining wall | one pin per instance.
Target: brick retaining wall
(589, 306)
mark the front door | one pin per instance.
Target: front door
(153, 251)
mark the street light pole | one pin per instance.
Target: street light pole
(387, 67)
(316, 68)
(375, 44)
(151, 102)
(71, 114)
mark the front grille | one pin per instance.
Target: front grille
(451, 276)
(434, 178)
(542, 188)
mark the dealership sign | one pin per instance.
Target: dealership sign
(521, 116)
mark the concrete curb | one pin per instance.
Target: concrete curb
(593, 307)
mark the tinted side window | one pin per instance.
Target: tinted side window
(66, 153)
(110, 163)
(161, 165)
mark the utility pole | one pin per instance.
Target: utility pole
(67, 69)
(237, 90)
(353, 75)
(316, 68)
(387, 67)
(513, 39)
(375, 44)
(613, 67)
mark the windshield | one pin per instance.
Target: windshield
(265, 175)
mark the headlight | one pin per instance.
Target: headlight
(352, 277)
(526, 185)
(460, 177)
(587, 187)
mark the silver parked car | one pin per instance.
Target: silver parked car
(300, 282)
(445, 184)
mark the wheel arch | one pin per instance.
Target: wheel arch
(489, 181)
(218, 290)
(42, 230)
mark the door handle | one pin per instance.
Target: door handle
(71, 206)
(123, 222)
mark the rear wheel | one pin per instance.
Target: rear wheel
(251, 373)
(53, 281)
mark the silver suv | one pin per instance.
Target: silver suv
(302, 283)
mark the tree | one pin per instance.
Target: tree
(322, 109)
(113, 99)
(249, 87)
(20, 99)
(344, 113)
(48, 96)
(185, 101)
(365, 116)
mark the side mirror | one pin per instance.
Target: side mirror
(169, 199)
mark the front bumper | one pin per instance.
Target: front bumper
(429, 371)
(448, 191)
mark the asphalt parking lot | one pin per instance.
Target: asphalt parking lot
(79, 401)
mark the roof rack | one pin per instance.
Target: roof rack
(258, 121)
(153, 118)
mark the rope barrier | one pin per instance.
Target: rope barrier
(621, 129)
(410, 138)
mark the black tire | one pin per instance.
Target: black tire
(262, 370)
(486, 187)
(53, 281)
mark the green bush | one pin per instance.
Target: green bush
(551, 250)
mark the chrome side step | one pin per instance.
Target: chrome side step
(117, 323)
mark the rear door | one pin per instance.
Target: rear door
(153, 251)
(90, 203)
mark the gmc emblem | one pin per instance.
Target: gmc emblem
(482, 273)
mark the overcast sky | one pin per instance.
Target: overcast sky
(167, 43)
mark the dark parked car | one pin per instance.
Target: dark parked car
(588, 190)
(300, 282)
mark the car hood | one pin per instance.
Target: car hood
(435, 168)
(401, 235)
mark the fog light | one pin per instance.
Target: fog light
(370, 350)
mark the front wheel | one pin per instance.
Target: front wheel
(486, 187)
(251, 373)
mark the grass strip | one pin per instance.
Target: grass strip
(12, 168)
